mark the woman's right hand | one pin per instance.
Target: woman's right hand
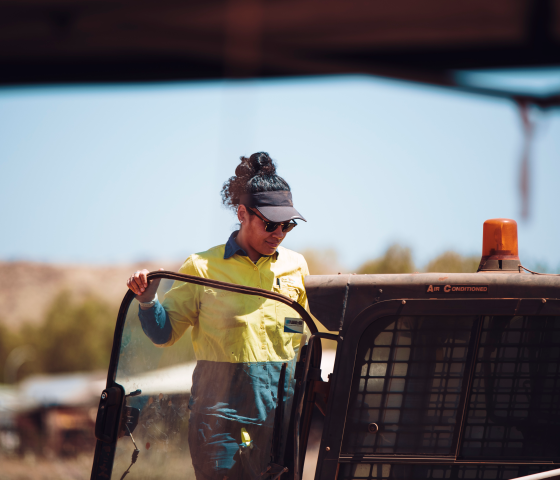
(138, 283)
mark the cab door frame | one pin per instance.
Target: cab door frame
(105, 450)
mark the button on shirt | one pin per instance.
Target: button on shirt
(239, 340)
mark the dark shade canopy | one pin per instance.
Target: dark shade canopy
(67, 41)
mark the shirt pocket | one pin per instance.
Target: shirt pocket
(283, 311)
(290, 291)
(290, 286)
(223, 310)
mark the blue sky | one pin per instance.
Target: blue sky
(103, 174)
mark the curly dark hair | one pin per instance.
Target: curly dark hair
(254, 174)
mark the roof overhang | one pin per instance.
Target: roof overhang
(73, 41)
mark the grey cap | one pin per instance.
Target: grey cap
(275, 206)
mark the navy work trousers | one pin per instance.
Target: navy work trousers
(214, 443)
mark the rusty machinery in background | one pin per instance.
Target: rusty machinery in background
(62, 41)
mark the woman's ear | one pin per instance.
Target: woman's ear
(242, 213)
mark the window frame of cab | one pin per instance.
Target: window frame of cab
(346, 359)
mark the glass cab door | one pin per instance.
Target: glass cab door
(201, 385)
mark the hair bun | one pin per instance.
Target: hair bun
(259, 163)
(244, 169)
(256, 173)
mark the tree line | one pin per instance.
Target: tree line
(396, 259)
(78, 336)
(73, 337)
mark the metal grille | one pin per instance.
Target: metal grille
(514, 406)
(408, 380)
(422, 472)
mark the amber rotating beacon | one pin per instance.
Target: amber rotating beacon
(499, 246)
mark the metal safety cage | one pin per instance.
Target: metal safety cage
(114, 415)
(445, 388)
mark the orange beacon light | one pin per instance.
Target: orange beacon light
(499, 245)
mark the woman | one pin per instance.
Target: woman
(239, 341)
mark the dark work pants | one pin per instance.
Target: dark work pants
(214, 443)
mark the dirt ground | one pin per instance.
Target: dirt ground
(80, 468)
(30, 468)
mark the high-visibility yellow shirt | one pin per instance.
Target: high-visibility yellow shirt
(232, 327)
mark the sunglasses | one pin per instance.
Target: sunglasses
(272, 226)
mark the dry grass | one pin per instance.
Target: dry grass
(31, 468)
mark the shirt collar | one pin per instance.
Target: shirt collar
(232, 247)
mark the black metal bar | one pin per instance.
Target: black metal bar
(396, 459)
(471, 361)
(344, 303)
(278, 417)
(298, 463)
(230, 287)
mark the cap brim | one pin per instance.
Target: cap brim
(280, 214)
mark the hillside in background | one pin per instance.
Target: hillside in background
(63, 316)
(27, 289)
